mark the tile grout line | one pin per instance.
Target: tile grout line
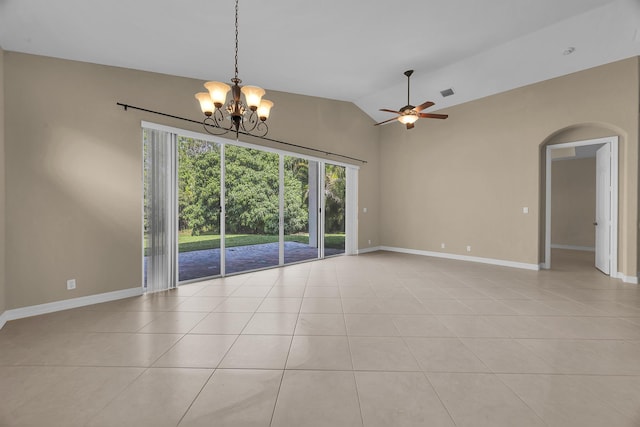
(130, 384)
(223, 356)
(439, 398)
(286, 360)
(353, 370)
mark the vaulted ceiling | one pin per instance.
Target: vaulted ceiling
(351, 50)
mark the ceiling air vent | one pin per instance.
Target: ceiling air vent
(447, 92)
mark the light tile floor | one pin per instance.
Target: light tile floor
(381, 339)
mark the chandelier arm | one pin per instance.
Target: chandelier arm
(218, 117)
(261, 129)
(250, 121)
(209, 124)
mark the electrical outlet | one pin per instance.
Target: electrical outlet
(468, 248)
(369, 241)
(71, 284)
(442, 245)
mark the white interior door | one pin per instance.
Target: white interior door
(603, 209)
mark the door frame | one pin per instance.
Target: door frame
(613, 144)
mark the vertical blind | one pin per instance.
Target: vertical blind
(161, 207)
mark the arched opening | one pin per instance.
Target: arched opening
(579, 198)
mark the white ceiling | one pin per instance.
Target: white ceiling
(351, 50)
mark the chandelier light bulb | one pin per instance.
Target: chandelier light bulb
(253, 95)
(206, 105)
(218, 92)
(264, 109)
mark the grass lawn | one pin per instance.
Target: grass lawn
(188, 243)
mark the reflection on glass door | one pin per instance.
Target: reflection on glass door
(300, 209)
(252, 205)
(335, 203)
(198, 209)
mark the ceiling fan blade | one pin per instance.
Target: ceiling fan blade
(410, 125)
(433, 116)
(386, 121)
(390, 111)
(423, 106)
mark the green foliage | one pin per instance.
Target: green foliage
(252, 191)
(198, 185)
(252, 188)
(335, 188)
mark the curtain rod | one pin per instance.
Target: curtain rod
(328, 153)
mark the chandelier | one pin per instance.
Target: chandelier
(248, 115)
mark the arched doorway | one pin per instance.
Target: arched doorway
(580, 206)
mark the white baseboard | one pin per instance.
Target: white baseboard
(35, 310)
(574, 248)
(626, 279)
(367, 250)
(3, 319)
(491, 261)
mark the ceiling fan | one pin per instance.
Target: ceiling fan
(409, 114)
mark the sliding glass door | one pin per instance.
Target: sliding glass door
(252, 218)
(300, 209)
(335, 209)
(214, 207)
(198, 208)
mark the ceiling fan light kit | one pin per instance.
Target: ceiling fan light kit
(248, 115)
(409, 114)
(408, 118)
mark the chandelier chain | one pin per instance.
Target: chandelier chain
(236, 39)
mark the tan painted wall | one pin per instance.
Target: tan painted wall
(464, 181)
(573, 202)
(74, 168)
(2, 190)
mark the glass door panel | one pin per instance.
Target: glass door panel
(300, 209)
(198, 209)
(335, 202)
(252, 209)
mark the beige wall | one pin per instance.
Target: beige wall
(573, 202)
(74, 168)
(2, 190)
(464, 181)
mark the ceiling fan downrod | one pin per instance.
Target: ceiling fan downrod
(408, 73)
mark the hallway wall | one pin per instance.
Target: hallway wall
(573, 202)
